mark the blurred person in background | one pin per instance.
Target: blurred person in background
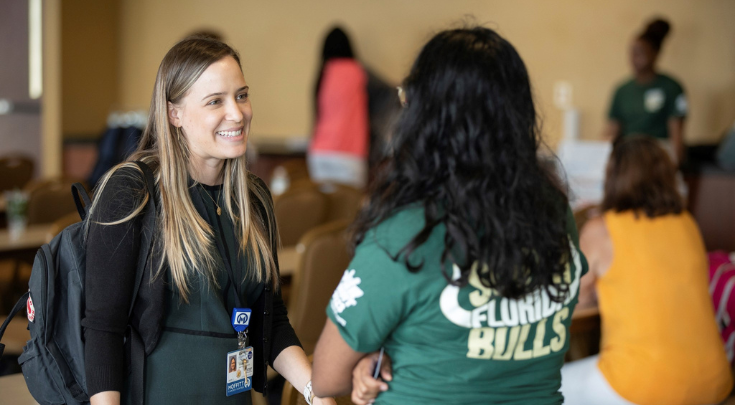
(648, 274)
(650, 103)
(338, 151)
(466, 266)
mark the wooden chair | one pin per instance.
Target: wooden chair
(344, 201)
(584, 334)
(296, 169)
(323, 257)
(15, 172)
(292, 396)
(50, 200)
(298, 210)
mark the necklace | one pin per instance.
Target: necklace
(219, 210)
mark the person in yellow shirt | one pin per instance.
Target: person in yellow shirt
(648, 274)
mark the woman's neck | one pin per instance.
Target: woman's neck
(206, 172)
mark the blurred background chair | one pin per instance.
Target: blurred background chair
(585, 331)
(50, 200)
(323, 256)
(297, 210)
(295, 169)
(15, 172)
(344, 202)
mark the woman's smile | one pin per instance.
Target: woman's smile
(231, 134)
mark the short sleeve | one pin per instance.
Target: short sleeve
(615, 112)
(372, 297)
(677, 105)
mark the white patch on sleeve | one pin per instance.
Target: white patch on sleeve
(346, 295)
(682, 106)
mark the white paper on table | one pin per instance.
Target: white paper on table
(583, 167)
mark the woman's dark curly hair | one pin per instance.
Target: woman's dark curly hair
(465, 148)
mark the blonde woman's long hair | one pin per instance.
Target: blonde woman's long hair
(184, 238)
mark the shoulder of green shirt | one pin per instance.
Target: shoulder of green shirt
(626, 84)
(670, 82)
(398, 229)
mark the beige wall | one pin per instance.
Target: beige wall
(89, 65)
(580, 41)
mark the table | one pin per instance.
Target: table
(33, 237)
(25, 247)
(14, 391)
(21, 250)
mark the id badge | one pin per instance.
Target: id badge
(239, 371)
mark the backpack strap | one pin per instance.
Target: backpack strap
(18, 306)
(137, 348)
(80, 194)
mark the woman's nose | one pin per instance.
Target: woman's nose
(233, 112)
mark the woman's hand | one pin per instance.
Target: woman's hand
(364, 387)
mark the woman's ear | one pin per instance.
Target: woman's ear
(174, 113)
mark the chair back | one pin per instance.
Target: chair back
(295, 169)
(297, 210)
(50, 200)
(323, 258)
(343, 201)
(15, 172)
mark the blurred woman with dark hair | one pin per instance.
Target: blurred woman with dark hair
(648, 274)
(651, 103)
(339, 148)
(466, 266)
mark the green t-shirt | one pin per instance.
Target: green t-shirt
(646, 108)
(448, 344)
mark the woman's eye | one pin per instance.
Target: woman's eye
(242, 96)
(213, 102)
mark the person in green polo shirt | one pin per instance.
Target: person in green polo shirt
(651, 103)
(467, 264)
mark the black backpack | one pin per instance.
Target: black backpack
(53, 360)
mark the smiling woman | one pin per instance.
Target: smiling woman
(214, 248)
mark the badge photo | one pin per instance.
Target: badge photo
(239, 372)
